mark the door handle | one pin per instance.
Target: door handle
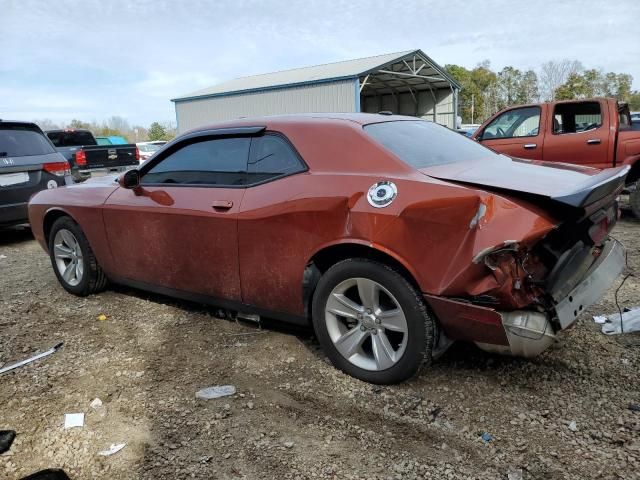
(529, 146)
(593, 141)
(222, 204)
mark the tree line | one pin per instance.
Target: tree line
(485, 91)
(116, 126)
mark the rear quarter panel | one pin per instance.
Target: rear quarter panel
(428, 228)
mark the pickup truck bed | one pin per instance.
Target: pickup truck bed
(88, 158)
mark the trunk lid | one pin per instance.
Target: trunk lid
(567, 184)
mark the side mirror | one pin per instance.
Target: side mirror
(130, 179)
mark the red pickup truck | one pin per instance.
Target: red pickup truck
(596, 133)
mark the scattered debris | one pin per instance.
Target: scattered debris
(48, 474)
(102, 317)
(95, 403)
(600, 319)
(573, 426)
(31, 359)
(515, 475)
(614, 324)
(486, 437)
(2, 257)
(634, 407)
(113, 448)
(216, 392)
(434, 413)
(72, 420)
(6, 439)
(415, 402)
(376, 389)
(288, 444)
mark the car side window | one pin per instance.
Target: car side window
(271, 157)
(576, 117)
(519, 122)
(220, 162)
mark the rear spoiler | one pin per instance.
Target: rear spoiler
(609, 182)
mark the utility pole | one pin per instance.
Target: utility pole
(473, 105)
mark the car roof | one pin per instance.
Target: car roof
(273, 121)
(18, 122)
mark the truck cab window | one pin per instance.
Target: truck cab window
(519, 122)
(576, 117)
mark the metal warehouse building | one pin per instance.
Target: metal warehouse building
(408, 83)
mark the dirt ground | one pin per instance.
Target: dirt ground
(294, 416)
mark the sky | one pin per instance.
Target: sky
(93, 59)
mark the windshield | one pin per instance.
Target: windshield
(149, 148)
(22, 141)
(424, 144)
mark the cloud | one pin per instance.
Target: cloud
(94, 59)
(165, 84)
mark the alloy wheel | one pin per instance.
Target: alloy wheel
(366, 324)
(68, 257)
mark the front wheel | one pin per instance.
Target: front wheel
(371, 322)
(72, 259)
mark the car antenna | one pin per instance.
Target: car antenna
(385, 112)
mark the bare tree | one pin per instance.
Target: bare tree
(553, 74)
(46, 124)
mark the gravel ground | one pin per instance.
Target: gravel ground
(294, 416)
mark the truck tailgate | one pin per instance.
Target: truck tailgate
(99, 156)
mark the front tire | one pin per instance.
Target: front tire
(371, 322)
(72, 259)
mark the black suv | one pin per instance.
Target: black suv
(28, 163)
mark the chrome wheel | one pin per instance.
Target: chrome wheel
(68, 257)
(366, 324)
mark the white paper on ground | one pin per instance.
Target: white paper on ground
(216, 392)
(113, 448)
(611, 325)
(72, 420)
(95, 403)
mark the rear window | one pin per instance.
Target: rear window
(576, 117)
(22, 141)
(71, 139)
(425, 144)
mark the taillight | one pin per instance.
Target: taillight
(57, 168)
(137, 154)
(81, 158)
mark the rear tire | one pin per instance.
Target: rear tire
(382, 332)
(634, 200)
(72, 259)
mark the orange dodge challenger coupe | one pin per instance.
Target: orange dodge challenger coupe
(393, 236)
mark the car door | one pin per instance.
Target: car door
(579, 135)
(276, 223)
(518, 132)
(179, 228)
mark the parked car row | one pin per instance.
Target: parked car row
(147, 149)
(33, 160)
(87, 158)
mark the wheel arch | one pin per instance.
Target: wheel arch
(50, 218)
(328, 255)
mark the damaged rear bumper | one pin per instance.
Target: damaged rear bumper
(527, 333)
